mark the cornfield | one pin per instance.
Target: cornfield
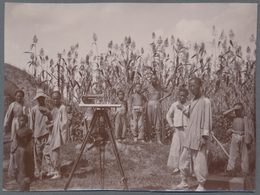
(227, 76)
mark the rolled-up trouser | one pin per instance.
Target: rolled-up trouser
(138, 122)
(238, 149)
(120, 126)
(53, 158)
(199, 163)
(39, 146)
(154, 118)
(176, 147)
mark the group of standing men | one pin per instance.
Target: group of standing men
(191, 122)
(49, 133)
(191, 142)
(192, 126)
(137, 110)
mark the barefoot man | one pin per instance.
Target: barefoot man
(197, 139)
(242, 138)
(178, 123)
(136, 109)
(154, 108)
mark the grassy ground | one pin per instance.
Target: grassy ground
(144, 166)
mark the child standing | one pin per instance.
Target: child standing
(38, 120)
(178, 122)
(136, 105)
(242, 138)
(89, 113)
(24, 159)
(120, 117)
(11, 124)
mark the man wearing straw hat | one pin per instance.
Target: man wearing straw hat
(38, 119)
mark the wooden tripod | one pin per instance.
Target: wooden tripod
(101, 111)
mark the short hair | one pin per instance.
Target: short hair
(120, 91)
(24, 116)
(240, 104)
(138, 84)
(19, 90)
(56, 92)
(196, 79)
(183, 89)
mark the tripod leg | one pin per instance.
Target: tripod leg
(111, 137)
(102, 165)
(82, 148)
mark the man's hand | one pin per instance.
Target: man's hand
(229, 131)
(173, 129)
(203, 141)
(180, 107)
(130, 114)
(43, 110)
(47, 122)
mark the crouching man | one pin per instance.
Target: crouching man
(197, 138)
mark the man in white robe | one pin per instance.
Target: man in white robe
(197, 139)
(58, 135)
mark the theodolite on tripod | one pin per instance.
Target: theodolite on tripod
(99, 138)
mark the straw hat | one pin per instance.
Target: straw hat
(40, 93)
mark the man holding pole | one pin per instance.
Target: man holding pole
(197, 139)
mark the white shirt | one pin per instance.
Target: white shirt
(175, 116)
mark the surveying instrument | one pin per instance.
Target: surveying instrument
(99, 139)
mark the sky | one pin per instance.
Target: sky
(59, 26)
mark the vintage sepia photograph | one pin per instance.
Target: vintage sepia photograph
(130, 97)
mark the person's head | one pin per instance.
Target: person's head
(19, 95)
(183, 93)
(153, 79)
(56, 97)
(86, 100)
(138, 87)
(22, 120)
(41, 101)
(195, 85)
(121, 95)
(40, 97)
(239, 109)
(69, 108)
